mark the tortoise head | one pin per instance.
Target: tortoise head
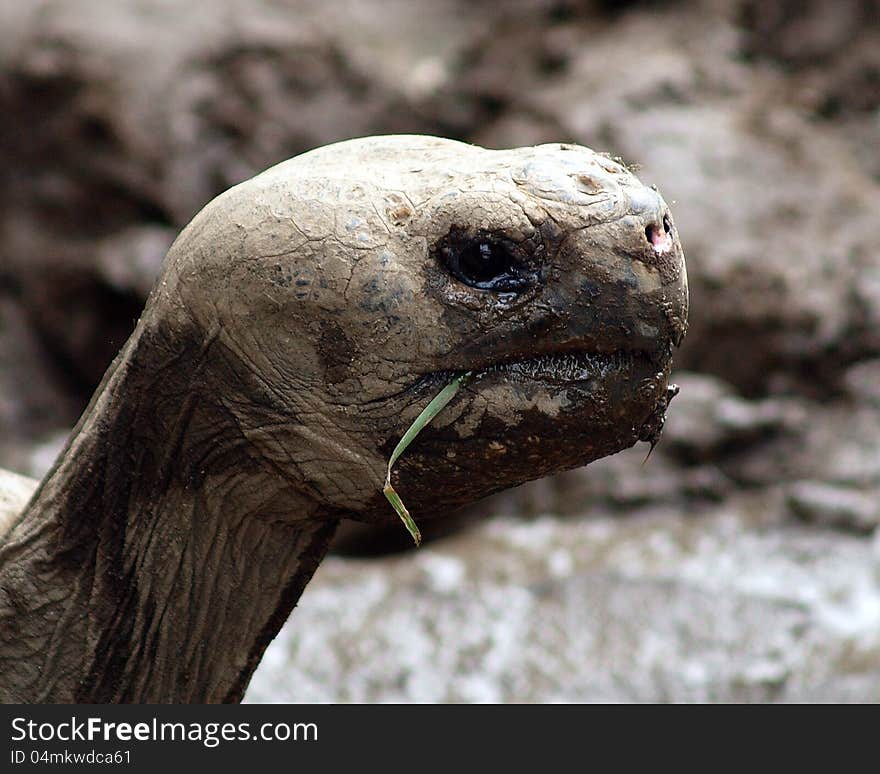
(341, 290)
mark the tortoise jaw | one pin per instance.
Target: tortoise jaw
(524, 419)
(584, 381)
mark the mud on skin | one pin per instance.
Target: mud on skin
(301, 322)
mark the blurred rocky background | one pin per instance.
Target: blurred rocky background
(742, 561)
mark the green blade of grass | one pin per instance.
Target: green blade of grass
(428, 413)
(407, 520)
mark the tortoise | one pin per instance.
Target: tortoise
(300, 323)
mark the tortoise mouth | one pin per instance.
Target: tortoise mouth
(563, 368)
(581, 374)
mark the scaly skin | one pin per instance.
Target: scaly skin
(301, 322)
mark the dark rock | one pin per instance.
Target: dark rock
(35, 400)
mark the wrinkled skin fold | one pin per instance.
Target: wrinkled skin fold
(301, 322)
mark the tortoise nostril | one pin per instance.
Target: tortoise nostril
(659, 238)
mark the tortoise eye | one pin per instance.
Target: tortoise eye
(487, 264)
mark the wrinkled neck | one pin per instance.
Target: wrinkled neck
(160, 556)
